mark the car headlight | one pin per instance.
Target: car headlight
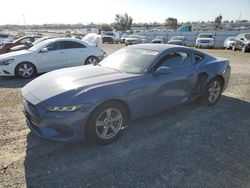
(6, 62)
(70, 108)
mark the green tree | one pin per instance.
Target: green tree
(171, 23)
(217, 22)
(106, 27)
(123, 22)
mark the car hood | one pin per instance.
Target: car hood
(131, 38)
(14, 54)
(205, 39)
(76, 79)
(175, 41)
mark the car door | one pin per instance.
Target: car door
(52, 57)
(76, 53)
(166, 90)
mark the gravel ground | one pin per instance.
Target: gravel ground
(188, 146)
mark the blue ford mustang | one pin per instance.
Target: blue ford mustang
(96, 102)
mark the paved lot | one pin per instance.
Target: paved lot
(188, 146)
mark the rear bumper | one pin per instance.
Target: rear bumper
(226, 76)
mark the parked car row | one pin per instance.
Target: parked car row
(240, 42)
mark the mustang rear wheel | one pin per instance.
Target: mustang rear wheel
(212, 92)
(25, 70)
(106, 123)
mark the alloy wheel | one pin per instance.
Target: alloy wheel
(214, 91)
(109, 123)
(25, 70)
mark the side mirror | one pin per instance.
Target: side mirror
(44, 50)
(163, 70)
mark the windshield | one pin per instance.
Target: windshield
(129, 60)
(38, 41)
(110, 34)
(177, 38)
(38, 45)
(231, 38)
(133, 36)
(247, 36)
(205, 36)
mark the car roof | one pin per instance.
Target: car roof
(157, 47)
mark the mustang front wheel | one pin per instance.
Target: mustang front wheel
(106, 123)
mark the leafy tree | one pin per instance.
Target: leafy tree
(171, 23)
(217, 22)
(106, 27)
(123, 22)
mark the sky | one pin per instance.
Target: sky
(103, 11)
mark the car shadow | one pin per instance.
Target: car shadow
(186, 146)
(14, 82)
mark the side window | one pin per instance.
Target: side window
(55, 46)
(198, 58)
(176, 60)
(23, 41)
(71, 44)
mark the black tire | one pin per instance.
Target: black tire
(206, 98)
(92, 60)
(93, 130)
(25, 70)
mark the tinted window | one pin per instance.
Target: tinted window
(71, 44)
(55, 46)
(176, 60)
(205, 36)
(4, 36)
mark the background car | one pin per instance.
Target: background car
(229, 42)
(28, 45)
(123, 38)
(204, 40)
(111, 37)
(133, 39)
(5, 38)
(49, 55)
(96, 102)
(242, 42)
(159, 41)
(6, 46)
(178, 40)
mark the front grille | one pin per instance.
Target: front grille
(205, 41)
(31, 112)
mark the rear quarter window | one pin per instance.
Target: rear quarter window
(198, 58)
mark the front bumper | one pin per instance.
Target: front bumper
(131, 42)
(6, 71)
(59, 126)
(205, 45)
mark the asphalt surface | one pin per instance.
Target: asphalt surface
(186, 146)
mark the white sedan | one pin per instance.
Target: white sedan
(49, 55)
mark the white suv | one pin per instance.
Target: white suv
(204, 40)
